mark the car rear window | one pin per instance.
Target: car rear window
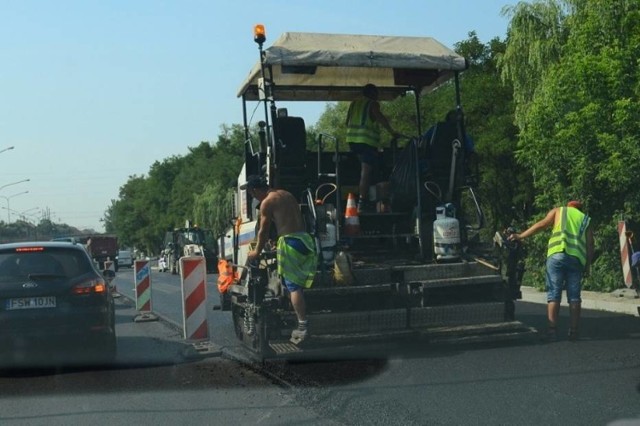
(44, 260)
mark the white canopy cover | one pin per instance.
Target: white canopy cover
(332, 67)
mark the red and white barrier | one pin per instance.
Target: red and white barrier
(142, 273)
(193, 274)
(625, 253)
(109, 265)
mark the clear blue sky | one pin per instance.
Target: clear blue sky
(92, 92)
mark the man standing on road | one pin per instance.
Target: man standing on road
(363, 136)
(569, 256)
(296, 253)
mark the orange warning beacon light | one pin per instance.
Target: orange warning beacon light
(259, 33)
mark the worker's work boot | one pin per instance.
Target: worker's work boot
(574, 335)
(298, 337)
(551, 335)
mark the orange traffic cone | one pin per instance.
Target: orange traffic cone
(351, 220)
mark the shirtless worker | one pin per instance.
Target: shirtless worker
(296, 253)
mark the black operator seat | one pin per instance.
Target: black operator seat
(291, 142)
(291, 154)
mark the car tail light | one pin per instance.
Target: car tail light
(90, 287)
(28, 249)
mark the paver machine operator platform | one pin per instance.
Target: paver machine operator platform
(391, 279)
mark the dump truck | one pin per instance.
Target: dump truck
(416, 267)
(190, 240)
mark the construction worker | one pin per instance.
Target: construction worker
(569, 257)
(363, 136)
(296, 249)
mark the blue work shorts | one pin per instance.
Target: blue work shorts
(564, 271)
(290, 285)
(366, 153)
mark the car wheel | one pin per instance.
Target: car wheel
(109, 349)
(225, 301)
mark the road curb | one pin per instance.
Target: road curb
(623, 301)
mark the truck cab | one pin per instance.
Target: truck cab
(190, 240)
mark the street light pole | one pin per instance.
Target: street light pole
(15, 183)
(8, 207)
(28, 210)
(23, 214)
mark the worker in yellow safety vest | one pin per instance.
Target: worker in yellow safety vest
(569, 257)
(364, 119)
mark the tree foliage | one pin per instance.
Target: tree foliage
(536, 35)
(580, 123)
(191, 187)
(44, 230)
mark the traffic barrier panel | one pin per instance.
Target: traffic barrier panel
(193, 274)
(142, 275)
(194, 298)
(625, 253)
(109, 265)
(351, 219)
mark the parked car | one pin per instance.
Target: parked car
(55, 306)
(125, 258)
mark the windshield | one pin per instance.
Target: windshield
(194, 237)
(59, 262)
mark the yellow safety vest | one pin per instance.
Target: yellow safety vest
(297, 265)
(227, 275)
(360, 127)
(569, 234)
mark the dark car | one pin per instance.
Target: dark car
(55, 306)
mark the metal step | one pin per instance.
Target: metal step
(444, 271)
(459, 282)
(481, 333)
(284, 347)
(335, 345)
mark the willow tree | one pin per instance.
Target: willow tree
(536, 35)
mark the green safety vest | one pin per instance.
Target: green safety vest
(360, 127)
(569, 234)
(299, 268)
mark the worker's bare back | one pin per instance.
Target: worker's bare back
(282, 208)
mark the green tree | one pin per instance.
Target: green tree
(536, 34)
(191, 187)
(579, 131)
(213, 208)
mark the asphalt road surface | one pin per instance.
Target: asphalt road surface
(593, 381)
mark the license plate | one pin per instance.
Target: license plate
(31, 303)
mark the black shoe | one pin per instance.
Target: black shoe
(574, 335)
(551, 335)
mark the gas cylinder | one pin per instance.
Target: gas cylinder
(446, 233)
(328, 242)
(342, 269)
